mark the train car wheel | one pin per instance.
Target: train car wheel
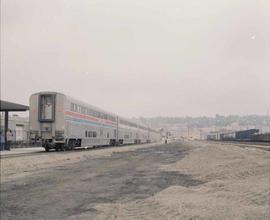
(71, 144)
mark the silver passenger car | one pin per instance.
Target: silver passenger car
(62, 122)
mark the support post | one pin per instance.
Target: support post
(6, 128)
(117, 131)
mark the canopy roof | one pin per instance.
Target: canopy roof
(10, 106)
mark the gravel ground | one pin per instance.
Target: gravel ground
(185, 180)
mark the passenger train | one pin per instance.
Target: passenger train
(63, 123)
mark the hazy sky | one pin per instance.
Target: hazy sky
(140, 58)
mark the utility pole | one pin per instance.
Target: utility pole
(117, 131)
(6, 129)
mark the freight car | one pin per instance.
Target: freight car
(245, 135)
(62, 123)
(261, 137)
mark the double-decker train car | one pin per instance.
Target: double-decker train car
(62, 122)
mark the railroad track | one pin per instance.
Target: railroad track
(259, 145)
(44, 153)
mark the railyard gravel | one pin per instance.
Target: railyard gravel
(180, 180)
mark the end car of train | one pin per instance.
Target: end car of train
(62, 123)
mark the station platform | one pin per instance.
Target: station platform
(24, 150)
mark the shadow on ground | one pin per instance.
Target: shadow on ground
(64, 191)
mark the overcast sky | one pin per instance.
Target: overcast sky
(140, 58)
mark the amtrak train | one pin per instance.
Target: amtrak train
(63, 123)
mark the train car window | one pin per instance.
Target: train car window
(72, 107)
(94, 134)
(111, 118)
(89, 112)
(46, 108)
(82, 110)
(92, 113)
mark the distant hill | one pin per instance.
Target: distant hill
(202, 122)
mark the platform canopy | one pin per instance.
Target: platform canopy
(12, 107)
